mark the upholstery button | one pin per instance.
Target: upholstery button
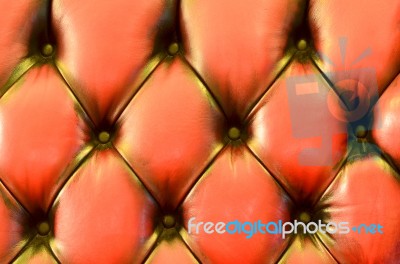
(43, 228)
(47, 50)
(169, 221)
(234, 133)
(304, 217)
(361, 131)
(302, 44)
(104, 137)
(173, 48)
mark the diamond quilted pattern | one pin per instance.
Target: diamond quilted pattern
(294, 132)
(50, 131)
(373, 204)
(168, 147)
(114, 201)
(166, 131)
(240, 61)
(85, 53)
(246, 192)
(372, 40)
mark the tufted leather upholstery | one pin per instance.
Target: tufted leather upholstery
(121, 120)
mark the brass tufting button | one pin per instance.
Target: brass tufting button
(47, 50)
(104, 137)
(302, 44)
(234, 133)
(361, 131)
(173, 48)
(169, 221)
(304, 217)
(43, 228)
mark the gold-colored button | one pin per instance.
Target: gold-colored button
(104, 137)
(234, 133)
(304, 217)
(361, 131)
(43, 228)
(173, 48)
(302, 44)
(169, 221)
(47, 50)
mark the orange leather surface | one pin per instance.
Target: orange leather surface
(122, 120)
